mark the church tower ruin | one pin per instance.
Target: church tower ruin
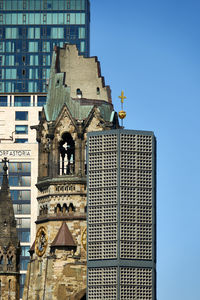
(78, 102)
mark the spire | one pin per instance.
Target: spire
(64, 238)
(5, 186)
(7, 218)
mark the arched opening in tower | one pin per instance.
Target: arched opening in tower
(67, 155)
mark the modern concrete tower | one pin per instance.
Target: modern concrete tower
(121, 218)
(9, 244)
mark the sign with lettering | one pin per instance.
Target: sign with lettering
(15, 153)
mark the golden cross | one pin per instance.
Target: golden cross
(122, 97)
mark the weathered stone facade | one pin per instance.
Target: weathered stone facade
(9, 244)
(57, 269)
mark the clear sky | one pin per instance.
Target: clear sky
(151, 50)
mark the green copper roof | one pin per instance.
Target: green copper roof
(59, 94)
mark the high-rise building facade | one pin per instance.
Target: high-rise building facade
(121, 217)
(29, 29)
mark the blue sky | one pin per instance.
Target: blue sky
(151, 50)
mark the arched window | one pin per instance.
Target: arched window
(10, 260)
(67, 154)
(71, 208)
(58, 208)
(64, 208)
(9, 288)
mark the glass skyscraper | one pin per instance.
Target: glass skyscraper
(29, 29)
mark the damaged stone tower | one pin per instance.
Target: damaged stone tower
(78, 102)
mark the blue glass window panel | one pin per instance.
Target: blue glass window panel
(37, 18)
(57, 32)
(60, 18)
(21, 129)
(33, 73)
(31, 18)
(46, 46)
(13, 181)
(3, 101)
(14, 4)
(8, 87)
(20, 18)
(26, 195)
(53, 32)
(82, 19)
(21, 141)
(72, 4)
(10, 47)
(37, 33)
(18, 195)
(23, 276)
(47, 73)
(14, 18)
(81, 32)
(10, 74)
(25, 181)
(25, 167)
(62, 4)
(8, 4)
(19, 180)
(82, 49)
(60, 34)
(78, 18)
(78, 4)
(13, 167)
(31, 33)
(32, 86)
(9, 19)
(48, 61)
(82, 4)
(20, 4)
(2, 87)
(33, 46)
(49, 4)
(19, 167)
(34, 60)
(23, 209)
(41, 100)
(21, 115)
(10, 61)
(55, 5)
(49, 19)
(22, 101)
(24, 264)
(24, 236)
(54, 19)
(72, 19)
(2, 47)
